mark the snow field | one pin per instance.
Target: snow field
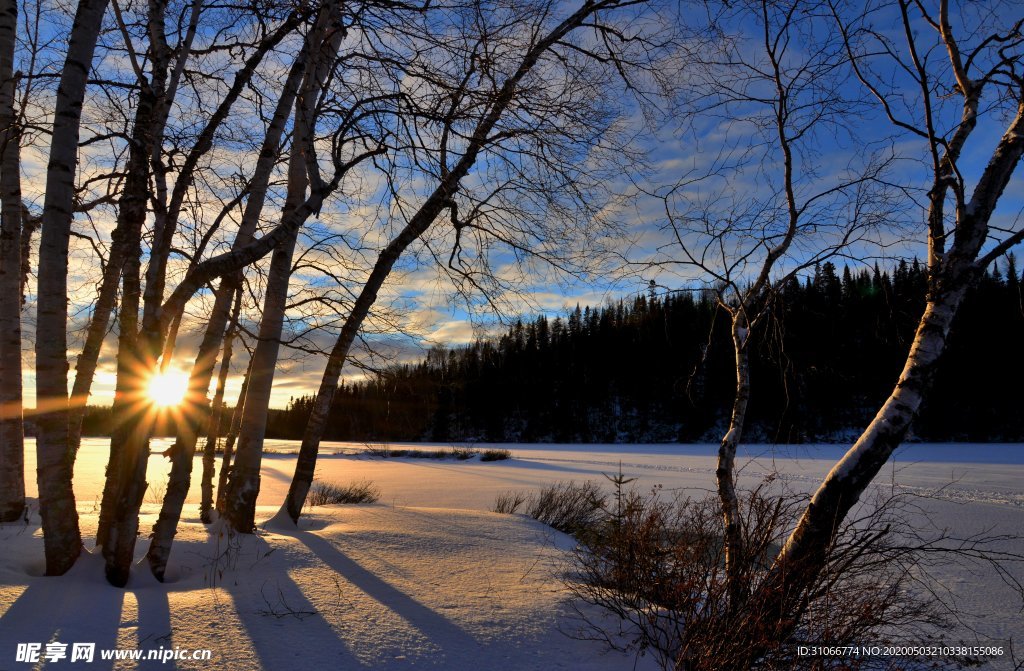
(428, 577)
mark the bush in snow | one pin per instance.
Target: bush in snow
(462, 453)
(495, 455)
(567, 506)
(326, 493)
(509, 503)
(657, 564)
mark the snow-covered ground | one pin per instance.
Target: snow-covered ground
(427, 576)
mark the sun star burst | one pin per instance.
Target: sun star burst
(168, 388)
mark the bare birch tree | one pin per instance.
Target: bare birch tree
(62, 538)
(495, 109)
(141, 343)
(244, 476)
(962, 74)
(942, 83)
(772, 92)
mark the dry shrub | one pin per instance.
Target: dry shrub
(326, 493)
(657, 565)
(509, 503)
(459, 453)
(567, 506)
(155, 491)
(495, 455)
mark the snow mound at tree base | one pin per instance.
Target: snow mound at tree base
(354, 587)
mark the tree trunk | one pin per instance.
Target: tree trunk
(244, 483)
(12, 432)
(126, 484)
(213, 429)
(131, 404)
(130, 451)
(848, 479)
(781, 596)
(129, 445)
(229, 442)
(62, 539)
(85, 369)
(29, 225)
(726, 473)
(313, 434)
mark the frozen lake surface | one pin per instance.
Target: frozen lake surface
(992, 473)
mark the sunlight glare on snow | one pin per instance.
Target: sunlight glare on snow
(168, 388)
(9, 594)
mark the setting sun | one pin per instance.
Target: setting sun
(168, 388)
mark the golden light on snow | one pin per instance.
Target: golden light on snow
(168, 388)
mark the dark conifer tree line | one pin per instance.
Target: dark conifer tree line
(660, 368)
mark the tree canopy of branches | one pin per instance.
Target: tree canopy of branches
(190, 141)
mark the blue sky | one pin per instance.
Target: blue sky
(693, 136)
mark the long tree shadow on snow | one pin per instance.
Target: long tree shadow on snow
(286, 630)
(458, 648)
(50, 607)
(154, 620)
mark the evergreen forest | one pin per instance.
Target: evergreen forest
(659, 368)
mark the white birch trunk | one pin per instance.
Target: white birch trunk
(12, 433)
(244, 480)
(129, 449)
(62, 540)
(725, 473)
(216, 421)
(229, 442)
